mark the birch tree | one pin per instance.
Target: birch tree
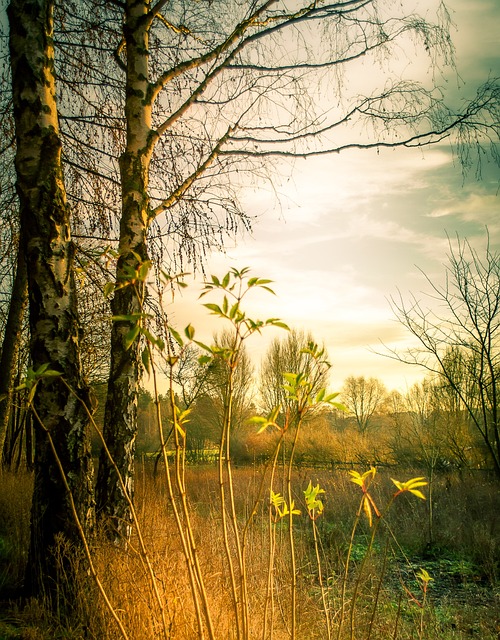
(61, 423)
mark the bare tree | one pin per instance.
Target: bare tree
(459, 336)
(216, 385)
(362, 397)
(287, 355)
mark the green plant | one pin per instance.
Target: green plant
(314, 508)
(368, 506)
(424, 579)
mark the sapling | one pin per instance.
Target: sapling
(314, 508)
(369, 507)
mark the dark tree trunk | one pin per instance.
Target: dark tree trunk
(11, 344)
(54, 326)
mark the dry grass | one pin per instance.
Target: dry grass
(463, 560)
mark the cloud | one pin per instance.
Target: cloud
(481, 208)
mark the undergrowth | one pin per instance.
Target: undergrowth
(463, 597)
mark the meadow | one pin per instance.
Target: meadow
(430, 571)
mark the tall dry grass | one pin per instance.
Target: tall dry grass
(465, 534)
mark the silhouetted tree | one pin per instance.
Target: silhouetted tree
(459, 338)
(363, 397)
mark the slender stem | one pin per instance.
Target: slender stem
(237, 539)
(377, 594)
(358, 577)
(225, 532)
(398, 615)
(142, 546)
(375, 527)
(81, 532)
(320, 579)
(272, 545)
(185, 531)
(290, 529)
(422, 612)
(346, 570)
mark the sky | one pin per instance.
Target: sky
(349, 231)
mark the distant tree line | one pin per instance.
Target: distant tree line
(428, 427)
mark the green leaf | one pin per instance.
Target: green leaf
(108, 289)
(339, 406)
(367, 509)
(145, 357)
(277, 500)
(424, 576)
(320, 396)
(175, 335)
(258, 419)
(51, 373)
(148, 335)
(183, 417)
(143, 270)
(313, 503)
(180, 429)
(204, 346)
(189, 332)
(411, 486)
(234, 309)
(214, 308)
(155, 340)
(363, 480)
(130, 336)
(131, 317)
(276, 322)
(330, 397)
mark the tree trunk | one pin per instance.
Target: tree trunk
(120, 422)
(54, 326)
(11, 344)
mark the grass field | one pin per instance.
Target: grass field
(381, 596)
